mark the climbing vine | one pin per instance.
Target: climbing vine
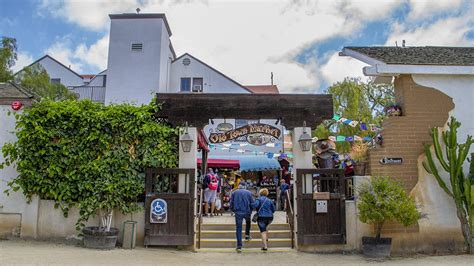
(85, 154)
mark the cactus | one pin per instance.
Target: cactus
(461, 189)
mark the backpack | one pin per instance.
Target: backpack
(213, 182)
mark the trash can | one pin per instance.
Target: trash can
(129, 234)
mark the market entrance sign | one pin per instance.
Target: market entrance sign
(244, 131)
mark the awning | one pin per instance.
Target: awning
(250, 163)
(220, 163)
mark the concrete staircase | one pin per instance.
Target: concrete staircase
(220, 237)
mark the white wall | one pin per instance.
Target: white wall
(213, 82)
(14, 204)
(55, 70)
(98, 80)
(461, 89)
(135, 76)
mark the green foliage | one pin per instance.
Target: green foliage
(8, 57)
(381, 200)
(36, 79)
(460, 188)
(87, 154)
(356, 100)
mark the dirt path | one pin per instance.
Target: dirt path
(40, 253)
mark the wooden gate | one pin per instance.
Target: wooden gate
(176, 187)
(321, 227)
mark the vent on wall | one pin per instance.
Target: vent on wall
(137, 46)
(186, 61)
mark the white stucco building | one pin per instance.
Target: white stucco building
(142, 62)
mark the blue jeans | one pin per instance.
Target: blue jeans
(238, 227)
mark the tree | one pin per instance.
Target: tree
(359, 101)
(36, 79)
(8, 57)
(461, 188)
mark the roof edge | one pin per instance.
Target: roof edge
(144, 15)
(220, 73)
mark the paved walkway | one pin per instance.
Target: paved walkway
(41, 253)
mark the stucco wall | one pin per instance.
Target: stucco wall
(17, 217)
(134, 76)
(424, 107)
(213, 82)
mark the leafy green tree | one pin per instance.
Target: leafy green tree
(85, 154)
(359, 101)
(8, 57)
(36, 79)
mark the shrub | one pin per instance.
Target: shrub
(381, 200)
(87, 154)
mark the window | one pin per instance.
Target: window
(55, 81)
(185, 84)
(137, 46)
(197, 85)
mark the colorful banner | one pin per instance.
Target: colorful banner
(354, 123)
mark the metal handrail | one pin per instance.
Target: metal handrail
(290, 215)
(199, 216)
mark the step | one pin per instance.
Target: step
(214, 227)
(253, 233)
(245, 250)
(254, 243)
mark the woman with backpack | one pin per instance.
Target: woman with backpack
(265, 209)
(211, 188)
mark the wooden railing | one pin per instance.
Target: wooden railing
(290, 215)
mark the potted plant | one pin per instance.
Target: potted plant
(393, 109)
(358, 155)
(379, 201)
(108, 193)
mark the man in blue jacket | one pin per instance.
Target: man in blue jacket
(241, 202)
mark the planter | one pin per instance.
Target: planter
(376, 249)
(359, 168)
(98, 239)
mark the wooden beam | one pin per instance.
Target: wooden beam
(198, 108)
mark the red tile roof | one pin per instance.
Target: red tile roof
(270, 89)
(87, 76)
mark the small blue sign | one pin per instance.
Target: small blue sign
(158, 211)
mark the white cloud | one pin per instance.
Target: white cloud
(23, 60)
(95, 55)
(339, 67)
(451, 31)
(246, 40)
(61, 51)
(424, 8)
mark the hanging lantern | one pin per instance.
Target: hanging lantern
(186, 140)
(305, 139)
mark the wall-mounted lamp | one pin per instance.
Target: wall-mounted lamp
(186, 140)
(305, 139)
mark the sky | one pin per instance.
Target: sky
(297, 40)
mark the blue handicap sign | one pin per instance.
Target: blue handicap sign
(158, 211)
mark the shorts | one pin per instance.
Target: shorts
(263, 222)
(210, 195)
